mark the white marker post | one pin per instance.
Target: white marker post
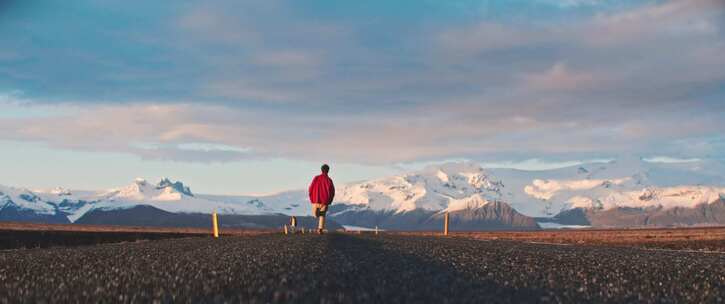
(293, 224)
(376, 230)
(285, 230)
(445, 224)
(215, 224)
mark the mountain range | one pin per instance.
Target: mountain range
(621, 193)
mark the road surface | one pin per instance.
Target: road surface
(344, 268)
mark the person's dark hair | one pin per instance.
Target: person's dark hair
(325, 168)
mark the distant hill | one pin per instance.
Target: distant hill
(153, 217)
(705, 214)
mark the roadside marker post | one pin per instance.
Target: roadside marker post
(286, 231)
(376, 230)
(445, 224)
(215, 224)
(293, 224)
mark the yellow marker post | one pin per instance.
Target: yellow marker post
(215, 224)
(285, 230)
(445, 224)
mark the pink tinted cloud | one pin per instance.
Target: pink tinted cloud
(560, 78)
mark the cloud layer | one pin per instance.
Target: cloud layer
(357, 83)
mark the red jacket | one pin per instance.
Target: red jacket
(322, 191)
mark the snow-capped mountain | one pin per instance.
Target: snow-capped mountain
(417, 201)
(609, 194)
(289, 202)
(670, 192)
(621, 183)
(168, 196)
(589, 194)
(18, 203)
(69, 206)
(451, 187)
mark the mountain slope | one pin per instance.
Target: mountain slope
(705, 214)
(21, 205)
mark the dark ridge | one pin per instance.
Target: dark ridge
(11, 213)
(144, 215)
(493, 216)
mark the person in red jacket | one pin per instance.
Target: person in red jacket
(322, 191)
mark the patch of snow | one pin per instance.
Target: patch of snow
(358, 228)
(78, 213)
(473, 202)
(61, 191)
(580, 202)
(545, 225)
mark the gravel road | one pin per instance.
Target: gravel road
(343, 268)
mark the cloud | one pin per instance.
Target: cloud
(572, 3)
(694, 18)
(117, 129)
(269, 79)
(539, 164)
(559, 77)
(287, 58)
(188, 132)
(670, 160)
(245, 91)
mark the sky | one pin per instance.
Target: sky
(252, 96)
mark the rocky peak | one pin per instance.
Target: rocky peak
(178, 186)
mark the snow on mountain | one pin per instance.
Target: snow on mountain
(666, 197)
(417, 201)
(288, 202)
(165, 195)
(473, 202)
(618, 183)
(60, 191)
(451, 186)
(24, 199)
(626, 184)
(546, 189)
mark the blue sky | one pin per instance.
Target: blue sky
(251, 96)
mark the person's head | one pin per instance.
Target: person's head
(325, 168)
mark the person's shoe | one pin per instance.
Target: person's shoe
(319, 231)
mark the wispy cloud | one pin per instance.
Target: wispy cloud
(670, 160)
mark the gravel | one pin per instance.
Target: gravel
(343, 268)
